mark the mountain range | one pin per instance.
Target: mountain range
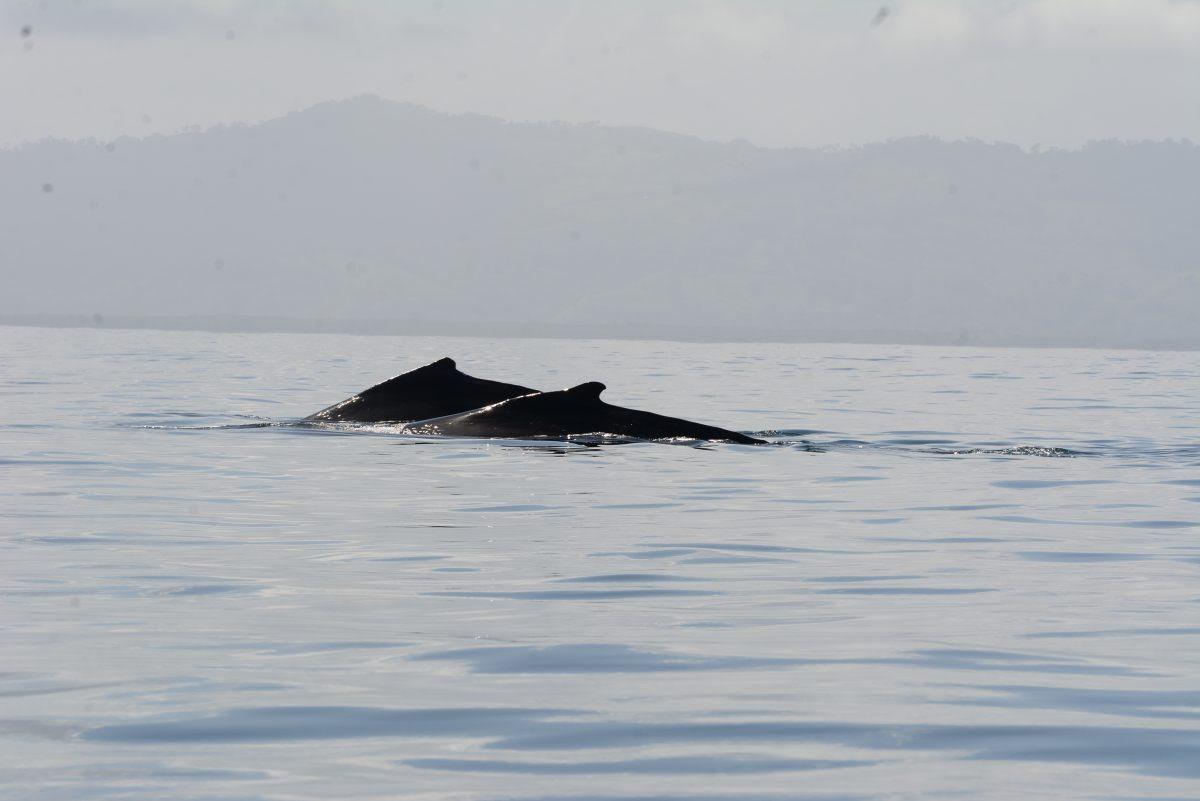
(368, 214)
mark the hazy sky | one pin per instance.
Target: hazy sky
(776, 72)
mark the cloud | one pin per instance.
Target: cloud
(1045, 24)
(744, 27)
(142, 18)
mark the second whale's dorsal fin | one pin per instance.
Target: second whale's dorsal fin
(589, 391)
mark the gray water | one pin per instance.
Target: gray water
(959, 573)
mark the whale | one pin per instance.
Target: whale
(435, 390)
(568, 413)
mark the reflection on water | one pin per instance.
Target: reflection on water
(957, 573)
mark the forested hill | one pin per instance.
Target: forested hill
(368, 209)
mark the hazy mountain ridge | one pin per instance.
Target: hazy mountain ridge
(367, 209)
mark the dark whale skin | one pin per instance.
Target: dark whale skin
(434, 390)
(570, 412)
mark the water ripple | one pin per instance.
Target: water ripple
(1156, 751)
(572, 595)
(707, 764)
(592, 658)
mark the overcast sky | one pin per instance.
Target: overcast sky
(775, 72)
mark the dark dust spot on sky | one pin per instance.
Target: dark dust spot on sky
(880, 16)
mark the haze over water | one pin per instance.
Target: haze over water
(959, 572)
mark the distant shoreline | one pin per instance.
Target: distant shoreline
(228, 324)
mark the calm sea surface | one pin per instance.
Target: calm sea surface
(959, 573)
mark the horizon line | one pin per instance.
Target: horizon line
(274, 324)
(194, 129)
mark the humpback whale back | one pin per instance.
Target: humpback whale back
(570, 412)
(434, 390)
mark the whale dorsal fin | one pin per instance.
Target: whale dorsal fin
(444, 363)
(589, 391)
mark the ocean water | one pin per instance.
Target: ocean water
(957, 573)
